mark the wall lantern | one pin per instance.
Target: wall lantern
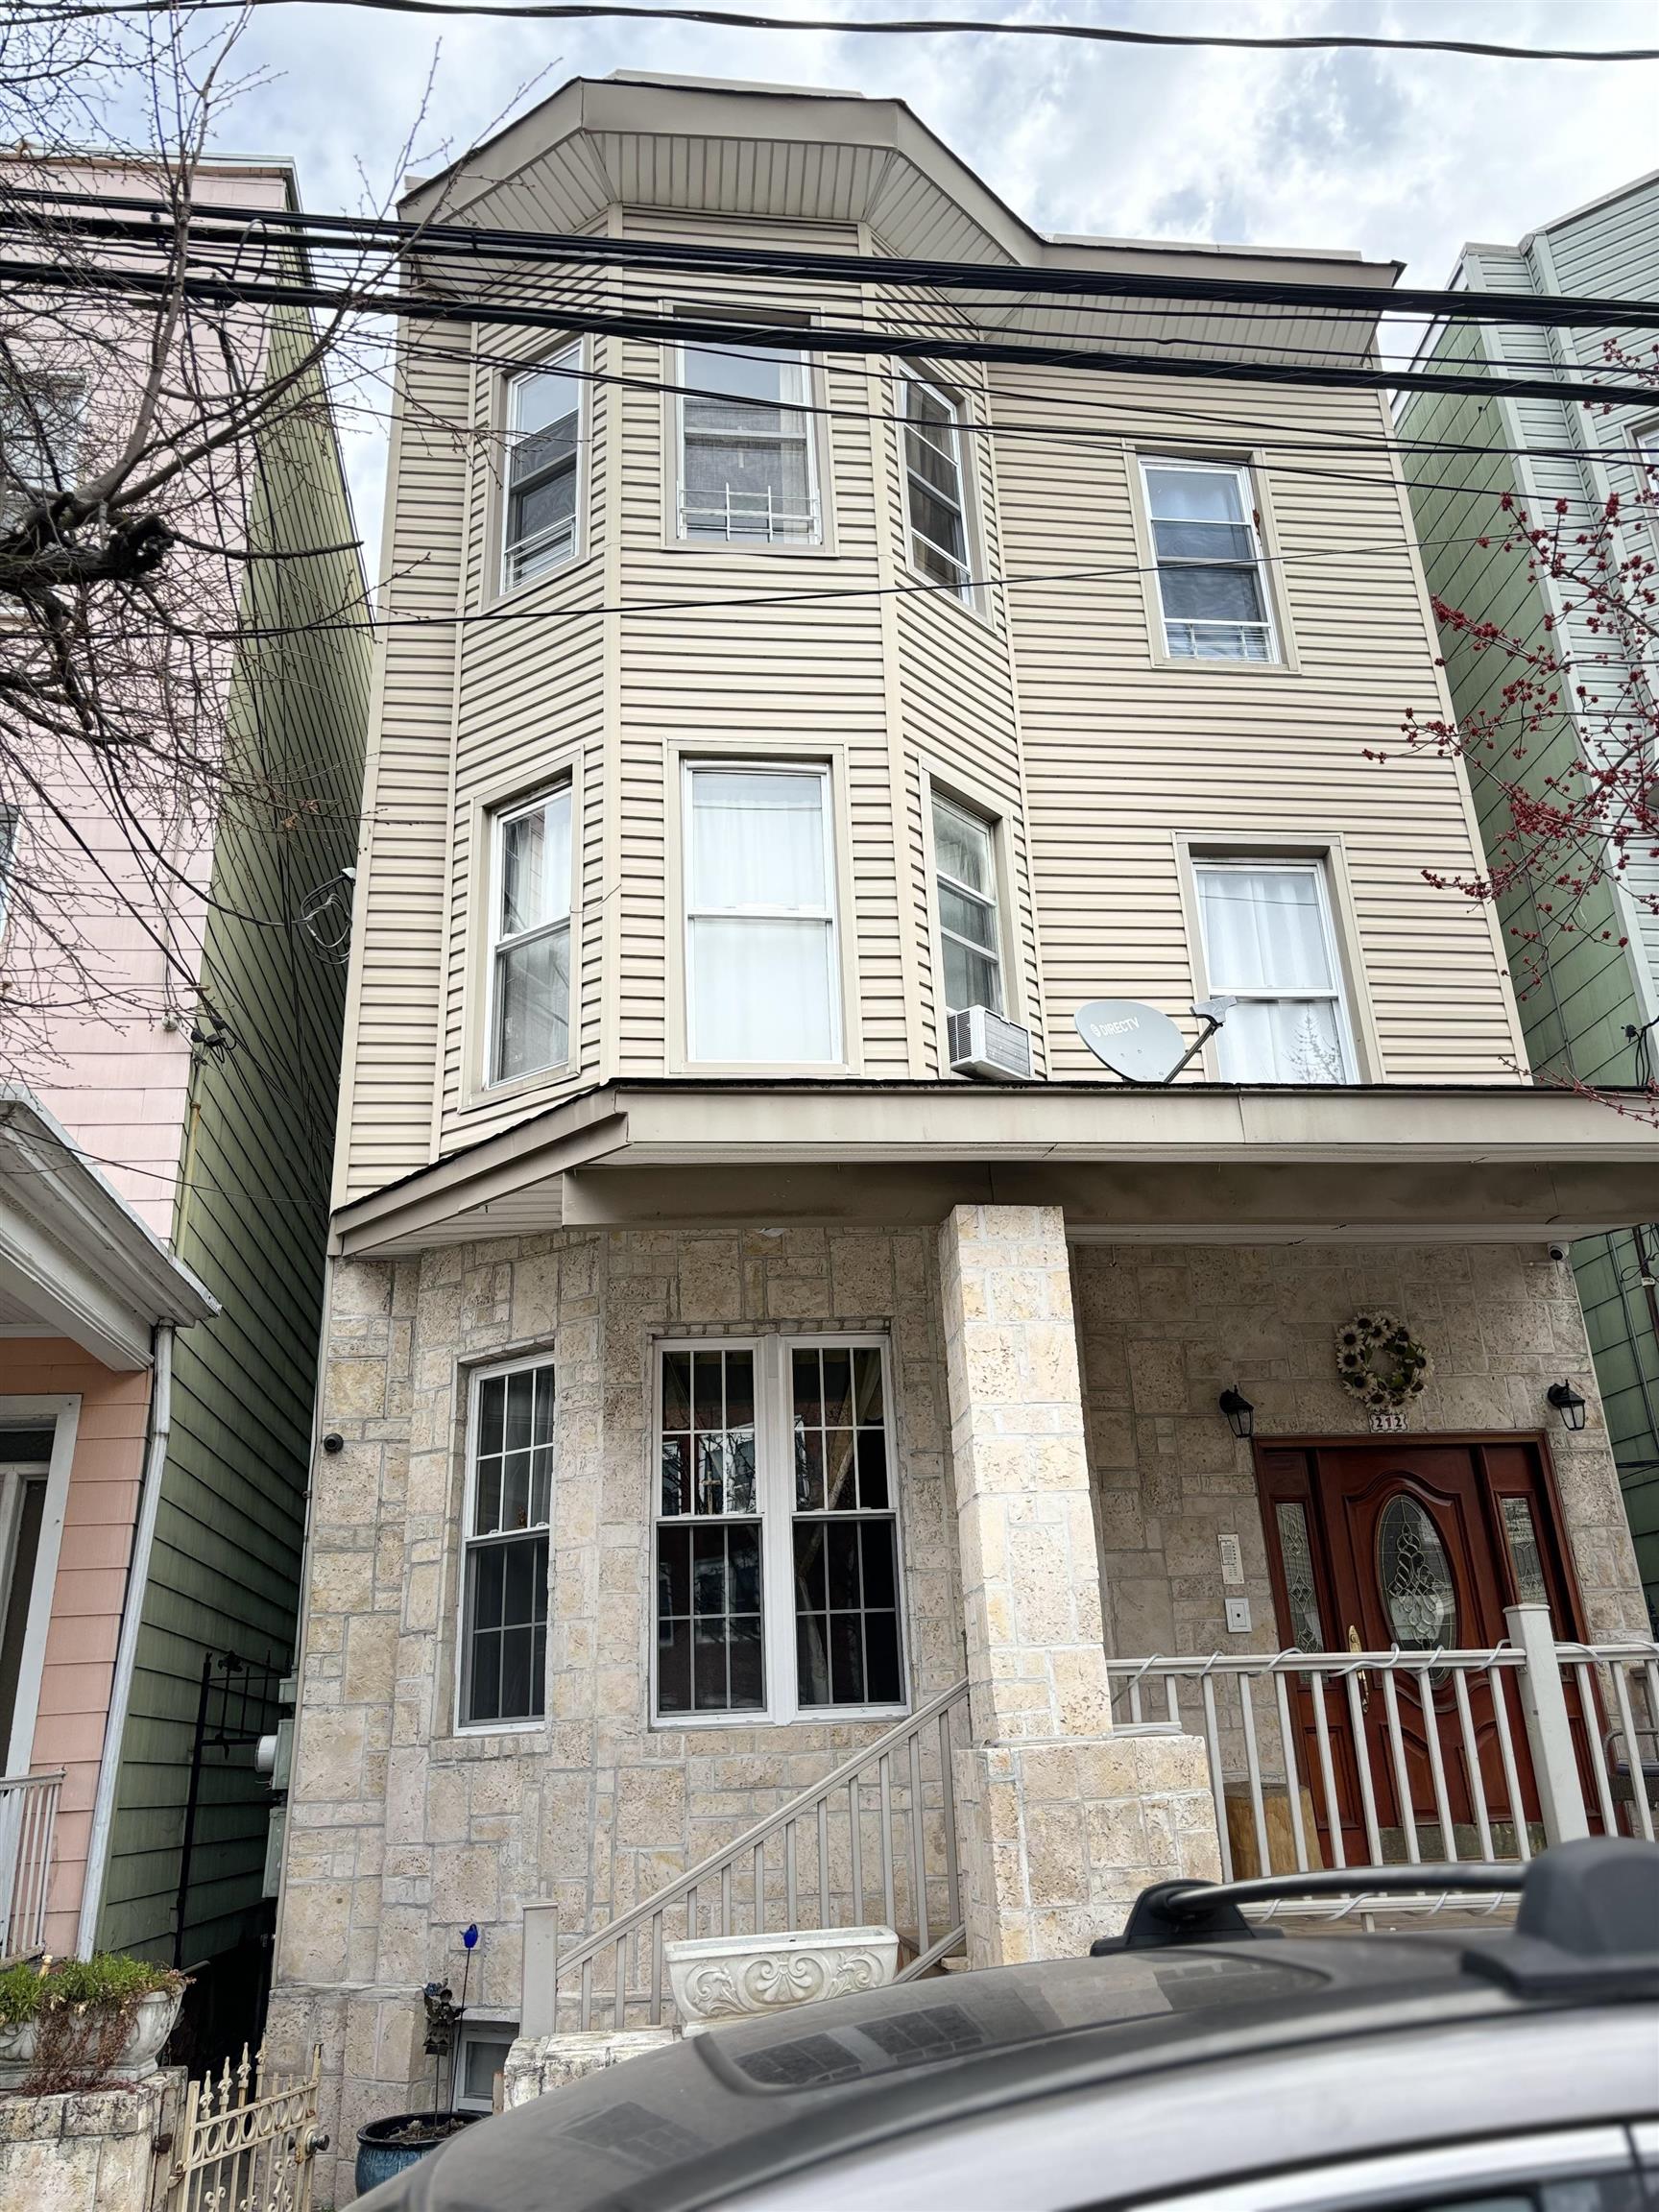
(1240, 1413)
(1567, 1402)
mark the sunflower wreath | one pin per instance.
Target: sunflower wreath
(1379, 1361)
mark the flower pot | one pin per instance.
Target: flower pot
(151, 2025)
(717, 1978)
(380, 2153)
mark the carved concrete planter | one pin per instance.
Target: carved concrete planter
(151, 2025)
(719, 1978)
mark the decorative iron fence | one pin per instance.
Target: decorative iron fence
(28, 1825)
(1403, 1758)
(249, 2141)
(876, 1838)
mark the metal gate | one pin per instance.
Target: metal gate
(249, 2141)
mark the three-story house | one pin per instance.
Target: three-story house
(761, 1324)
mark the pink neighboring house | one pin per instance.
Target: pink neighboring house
(92, 1139)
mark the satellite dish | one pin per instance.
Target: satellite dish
(1133, 1041)
(1141, 1044)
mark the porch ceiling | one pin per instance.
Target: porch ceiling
(1199, 1163)
(74, 1257)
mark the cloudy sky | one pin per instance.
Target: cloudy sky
(1403, 155)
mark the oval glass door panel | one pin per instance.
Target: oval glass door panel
(1419, 1595)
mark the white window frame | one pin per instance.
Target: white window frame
(495, 943)
(568, 360)
(1245, 476)
(755, 764)
(534, 1723)
(937, 796)
(63, 1416)
(11, 837)
(475, 2029)
(1311, 865)
(774, 1510)
(964, 592)
(64, 460)
(810, 539)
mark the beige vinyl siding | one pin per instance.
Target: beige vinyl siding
(395, 1013)
(1047, 705)
(765, 661)
(1122, 755)
(530, 700)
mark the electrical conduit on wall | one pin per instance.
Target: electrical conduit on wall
(127, 1650)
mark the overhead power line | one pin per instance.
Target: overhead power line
(825, 339)
(912, 27)
(154, 224)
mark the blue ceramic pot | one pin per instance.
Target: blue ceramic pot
(379, 2158)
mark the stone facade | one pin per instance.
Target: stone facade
(401, 1829)
(1165, 1328)
(87, 2150)
(1061, 1826)
(1064, 1474)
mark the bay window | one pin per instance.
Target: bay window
(1212, 584)
(777, 1543)
(530, 937)
(762, 976)
(544, 440)
(935, 497)
(504, 1545)
(746, 469)
(1269, 942)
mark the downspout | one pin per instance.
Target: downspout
(156, 1434)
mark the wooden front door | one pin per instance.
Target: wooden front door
(1420, 1545)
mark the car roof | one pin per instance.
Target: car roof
(730, 2110)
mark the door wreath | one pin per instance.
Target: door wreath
(1379, 1361)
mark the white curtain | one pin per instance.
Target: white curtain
(763, 987)
(1264, 932)
(1282, 1041)
(1264, 929)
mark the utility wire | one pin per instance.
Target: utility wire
(154, 224)
(914, 27)
(152, 284)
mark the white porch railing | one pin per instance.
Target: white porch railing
(875, 1839)
(1394, 1757)
(28, 1823)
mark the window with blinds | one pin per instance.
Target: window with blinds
(1211, 581)
(544, 419)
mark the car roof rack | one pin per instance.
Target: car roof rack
(1589, 1914)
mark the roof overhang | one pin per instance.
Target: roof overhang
(74, 1255)
(773, 153)
(1197, 1163)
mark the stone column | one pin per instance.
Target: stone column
(1060, 1821)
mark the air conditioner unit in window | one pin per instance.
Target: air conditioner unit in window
(983, 1044)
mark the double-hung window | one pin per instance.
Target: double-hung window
(543, 442)
(935, 496)
(763, 978)
(504, 1567)
(1269, 942)
(777, 1543)
(1212, 583)
(965, 863)
(530, 937)
(747, 473)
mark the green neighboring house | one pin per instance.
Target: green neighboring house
(1590, 1011)
(164, 1183)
